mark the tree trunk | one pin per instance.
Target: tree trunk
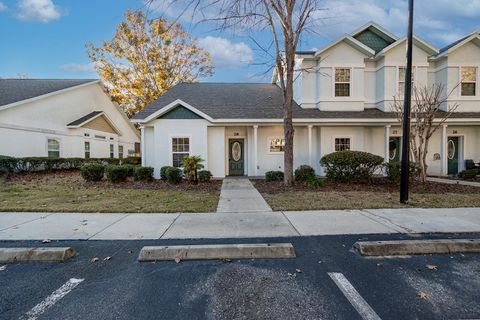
(288, 115)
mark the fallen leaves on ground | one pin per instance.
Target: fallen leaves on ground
(95, 259)
(422, 295)
(107, 258)
(46, 241)
(177, 259)
(431, 267)
(3, 268)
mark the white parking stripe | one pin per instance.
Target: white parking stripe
(362, 307)
(52, 299)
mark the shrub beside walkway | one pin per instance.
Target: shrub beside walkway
(239, 195)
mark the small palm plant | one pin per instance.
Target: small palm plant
(191, 166)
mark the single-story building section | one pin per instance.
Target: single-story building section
(63, 118)
(237, 128)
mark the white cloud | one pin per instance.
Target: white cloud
(226, 54)
(441, 21)
(3, 7)
(78, 67)
(38, 10)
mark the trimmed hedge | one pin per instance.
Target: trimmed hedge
(314, 182)
(143, 174)
(34, 164)
(204, 175)
(116, 173)
(174, 175)
(468, 174)
(348, 166)
(393, 170)
(274, 175)
(134, 161)
(163, 173)
(92, 171)
(130, 169)
(304, 173)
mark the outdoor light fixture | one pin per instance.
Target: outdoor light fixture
(407, 101)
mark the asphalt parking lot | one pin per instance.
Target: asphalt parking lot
(316, 285)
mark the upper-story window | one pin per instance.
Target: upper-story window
(401, 81)
(342, 82)
(469, 81)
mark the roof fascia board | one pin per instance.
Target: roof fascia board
(352, 41)
(170, 106)
(110, 122)
(426, 46)
(43, 96)
(376, 26)
(458, 45)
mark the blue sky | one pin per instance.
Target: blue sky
(46, 38)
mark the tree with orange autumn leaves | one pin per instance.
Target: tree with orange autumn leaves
(146, 58)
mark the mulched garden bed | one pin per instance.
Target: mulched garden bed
(378, 185)
(73, 177)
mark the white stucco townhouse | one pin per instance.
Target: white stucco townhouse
(62, 118)
(343, 95)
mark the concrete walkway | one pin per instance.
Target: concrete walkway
(116, 226)
(239, 195)
(451, 181)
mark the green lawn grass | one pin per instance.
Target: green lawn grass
(72, 195)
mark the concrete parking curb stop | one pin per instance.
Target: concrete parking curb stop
(218, 251)
(36, 255)
(414, 247)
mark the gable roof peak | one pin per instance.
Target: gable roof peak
(381, 31)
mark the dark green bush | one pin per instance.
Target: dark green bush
(314, 182)
(130, 169)
(135, 161)
(92, 171)
(163, 172)
(274, 175)
(116, 173)
(304, 173)
(469, 174)
(143, 174)
(174, 175)
(348, 166)
(393, 170)
(204, 175)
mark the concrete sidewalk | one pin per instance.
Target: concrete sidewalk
(453, 181)
(117, 226)
(239, 195)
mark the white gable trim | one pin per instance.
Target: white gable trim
(43, 96)
(109, 121)
(352, 42)
(169, 107)
(474, 37)
(376, 26)
(425, 46)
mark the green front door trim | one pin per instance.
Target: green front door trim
(236, 158)
(394, 149)
(453, 155)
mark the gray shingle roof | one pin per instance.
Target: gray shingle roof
(15, 90)
(453, 44)
(84, 118)
(252, 101)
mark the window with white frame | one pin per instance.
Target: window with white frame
(87, 149)
(401, 81)
(342, 82)
(180, 150)
(276, 144)
(53, 148)
(112, 151)
(342, 144)
(469, 81)
(120, 152)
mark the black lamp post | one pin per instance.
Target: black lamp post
(407, 101)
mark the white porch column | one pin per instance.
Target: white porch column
(443, 151)
(387, 144)
(310, 145)
(255, 150)
(142, 145)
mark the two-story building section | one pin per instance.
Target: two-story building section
(344, 95)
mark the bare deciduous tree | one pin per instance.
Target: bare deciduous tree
(426, 118)
(286, 20)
